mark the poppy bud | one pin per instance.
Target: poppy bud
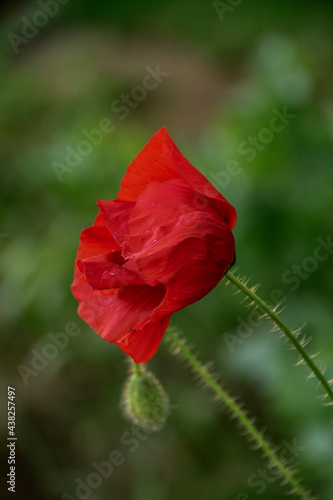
(144, 400)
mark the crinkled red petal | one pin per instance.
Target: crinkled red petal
(160, 160)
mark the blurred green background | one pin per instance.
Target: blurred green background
(229, 67)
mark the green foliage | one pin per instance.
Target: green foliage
(225, 80)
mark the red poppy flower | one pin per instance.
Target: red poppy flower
(162, 244)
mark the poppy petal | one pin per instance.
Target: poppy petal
(142, 344)
(103, 272)
(96, 240)
(175, 243)
(160, 160)
(116, 214)
(113, 313)
(156, 212)
(189, 266)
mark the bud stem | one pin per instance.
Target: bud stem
(237, 412)
(277, 320)
(137, 370)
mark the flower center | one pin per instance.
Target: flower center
(116, 258)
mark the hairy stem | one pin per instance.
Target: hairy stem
(137, 369)
(236, 411)
(307, 359)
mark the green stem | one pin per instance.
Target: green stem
(137, 368)
(276, 318)
(237, 412)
